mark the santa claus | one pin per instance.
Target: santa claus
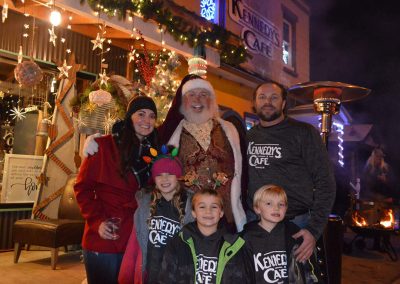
(209, 146)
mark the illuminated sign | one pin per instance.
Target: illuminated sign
(207, 9)
(259, 34)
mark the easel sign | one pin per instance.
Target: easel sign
(19, 178)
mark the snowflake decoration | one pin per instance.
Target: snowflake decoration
(207, 9)
(53, 36)
(98, 42)
(17, 113)
(90, 107)
(79, 122)
(4, 13)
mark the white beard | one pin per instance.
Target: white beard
(199, 118)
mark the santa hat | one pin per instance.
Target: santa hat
(174, 116)
(198, 83)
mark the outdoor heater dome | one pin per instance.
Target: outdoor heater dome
(327, 97)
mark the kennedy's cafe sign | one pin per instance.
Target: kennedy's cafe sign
(259, 34)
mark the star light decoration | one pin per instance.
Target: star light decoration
(131, 55)
(64, 70)
(53, 36)
(17, 113)
(98, 42)
(4, 12)
(103, 78)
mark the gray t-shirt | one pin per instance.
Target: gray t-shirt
(291, 154)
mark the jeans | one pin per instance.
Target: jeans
(102, 267)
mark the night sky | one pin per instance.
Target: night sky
(358, 42)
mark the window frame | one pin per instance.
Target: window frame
(291, 19)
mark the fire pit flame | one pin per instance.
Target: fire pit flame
(388, 220)
(359, 220)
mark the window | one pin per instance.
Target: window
(289, 41)
(286, 44)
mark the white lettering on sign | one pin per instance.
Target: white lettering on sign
(259, 34)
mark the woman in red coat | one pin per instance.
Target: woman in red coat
(106, 187)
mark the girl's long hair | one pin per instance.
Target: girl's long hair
(177, 201)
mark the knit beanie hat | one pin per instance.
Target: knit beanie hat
(167, 164)
(140, 102)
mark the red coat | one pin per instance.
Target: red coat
(101, 193)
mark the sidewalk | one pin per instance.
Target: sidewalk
(362, 266)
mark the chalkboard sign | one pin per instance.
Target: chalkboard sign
(20, 178)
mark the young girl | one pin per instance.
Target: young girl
(160, 216)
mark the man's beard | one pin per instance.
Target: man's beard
(198, 118)
(202, 117)
(275, 115)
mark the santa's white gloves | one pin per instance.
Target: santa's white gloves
(90, 147)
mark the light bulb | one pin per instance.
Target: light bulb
(55, 18)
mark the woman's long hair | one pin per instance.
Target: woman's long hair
(129, 147)
(177, 201)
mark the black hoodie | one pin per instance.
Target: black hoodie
(272, 254)
(217, 252)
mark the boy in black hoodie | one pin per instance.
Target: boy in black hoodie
(204, 253)
(270, 244)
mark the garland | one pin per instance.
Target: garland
(197, 32)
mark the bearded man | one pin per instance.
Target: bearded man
(209, 147)
(290, 154)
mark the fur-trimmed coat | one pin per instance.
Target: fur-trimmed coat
(235, 190)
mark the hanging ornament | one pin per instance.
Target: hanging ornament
(103, 78)
(64, 70)
(53, 36)
(28, 73)
(100, 97)
(17, 113)
(20, 54)
(1, 95)
(4, 13)
(43, 128)
(98, 42)
(197, 66)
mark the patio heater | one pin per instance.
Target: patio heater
(327, 97)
